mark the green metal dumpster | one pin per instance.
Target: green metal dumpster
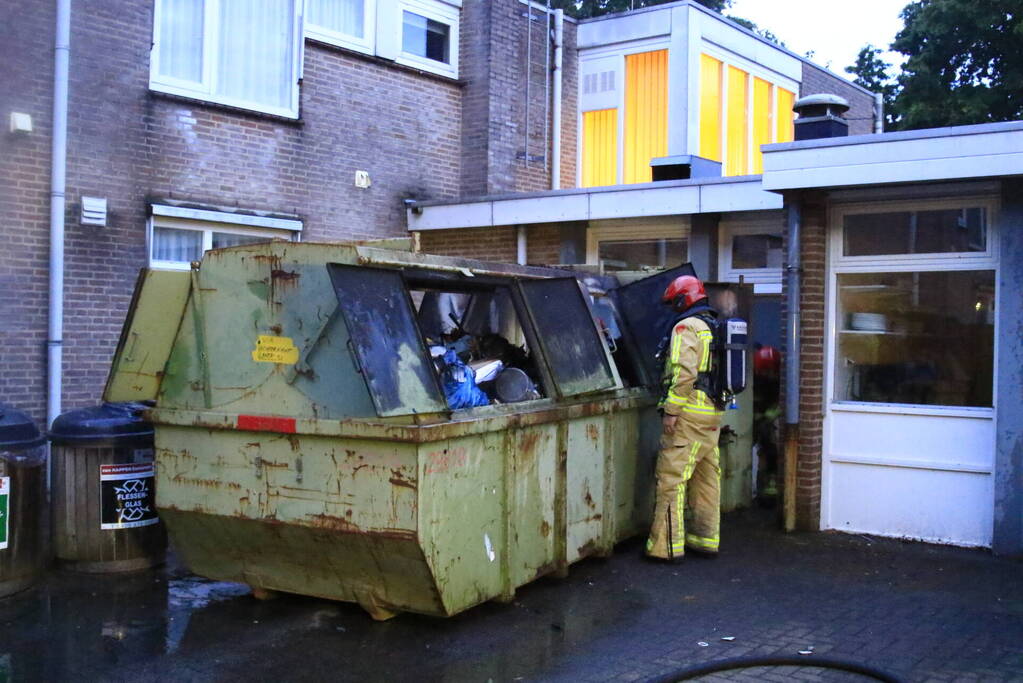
(304, 442)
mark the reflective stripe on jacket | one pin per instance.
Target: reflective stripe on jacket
(689, 354)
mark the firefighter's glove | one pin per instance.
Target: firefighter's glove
(668, 424)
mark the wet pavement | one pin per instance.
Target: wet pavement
(918, 611)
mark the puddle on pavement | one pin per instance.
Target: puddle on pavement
(77, 625)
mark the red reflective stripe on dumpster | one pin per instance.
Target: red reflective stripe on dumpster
(263, 423)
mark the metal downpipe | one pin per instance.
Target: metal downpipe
(58, 170)
(793, 266)
(559, 41)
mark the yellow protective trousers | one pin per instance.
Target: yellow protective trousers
(688, 475)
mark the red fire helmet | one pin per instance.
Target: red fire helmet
(685, 286)
(767, 361)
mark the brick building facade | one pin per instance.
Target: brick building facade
(419, 135)
(861, 114)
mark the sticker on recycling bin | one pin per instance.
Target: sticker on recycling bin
(5, 497)
(128, 498)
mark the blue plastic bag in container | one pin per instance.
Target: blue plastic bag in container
(459, 383)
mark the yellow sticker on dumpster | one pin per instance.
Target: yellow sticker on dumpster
(270, 349)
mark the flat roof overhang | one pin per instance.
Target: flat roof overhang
(663, 198)
(990, 150)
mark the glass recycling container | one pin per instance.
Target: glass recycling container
(104, 501)
(22, 501)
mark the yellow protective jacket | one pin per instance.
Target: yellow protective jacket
(688, 355)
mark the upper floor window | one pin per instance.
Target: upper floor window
(619, 148)
(424, 37)
(244, 53)
(419, 33)
(739, 112)
(349, 23)
(429, 31)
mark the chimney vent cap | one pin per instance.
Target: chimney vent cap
(821, 103)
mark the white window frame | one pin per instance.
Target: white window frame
(839, 264)
(752, 69)
(443, 12)
(764, 280)
(618, 53)
(209, 222)
(206, 89)
(678, 229)
(366, 44)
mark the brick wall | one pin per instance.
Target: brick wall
(861, 110)
(811, 372)
(133, 146)
(26, 82)
(499, 124)
(543, 244)
(486, 244)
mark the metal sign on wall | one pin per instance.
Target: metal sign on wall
(128, 498)
(5, 496)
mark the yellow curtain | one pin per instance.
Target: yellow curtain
(737, 147)
(646, 113)
(710, 108)
(761, 121)
(600, 147)
(784, 115)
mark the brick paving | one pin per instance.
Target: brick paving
(921, 612)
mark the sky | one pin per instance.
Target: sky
(834, 29)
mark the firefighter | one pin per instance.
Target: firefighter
(688, 468)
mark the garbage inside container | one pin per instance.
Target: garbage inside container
(104, 497)
(460, 388)
(22, 501)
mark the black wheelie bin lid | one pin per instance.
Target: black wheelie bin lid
(108, 425)
(17, 430)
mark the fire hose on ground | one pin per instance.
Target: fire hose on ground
(689, 673)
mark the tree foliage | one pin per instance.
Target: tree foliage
(873, 73)
(964, 62)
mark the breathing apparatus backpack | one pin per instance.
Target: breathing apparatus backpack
(728, 351)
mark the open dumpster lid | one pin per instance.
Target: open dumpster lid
(385, 341)
(569, 337)
(646, 320)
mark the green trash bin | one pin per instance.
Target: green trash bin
(104, 498)
(22, 501)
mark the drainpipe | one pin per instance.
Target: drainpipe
(559, 39)
(58, 167)
(878, 113)
(792, 362)
(520, 245)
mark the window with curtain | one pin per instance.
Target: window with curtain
(740, 110)
(348, 23)
(424, 37)
(238, 52)
(175, 243)
(347, 17)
